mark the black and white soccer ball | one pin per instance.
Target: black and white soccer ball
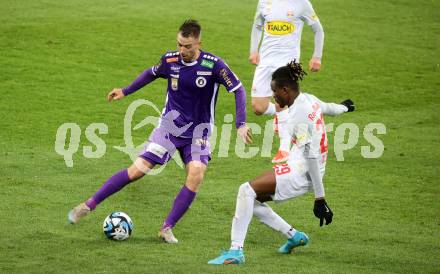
(118, 226)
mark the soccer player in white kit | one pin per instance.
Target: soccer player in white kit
(302, 172)
(282, 22)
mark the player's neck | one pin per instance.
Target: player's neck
(292, 100)
(196, 56)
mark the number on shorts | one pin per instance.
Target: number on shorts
(282, 169)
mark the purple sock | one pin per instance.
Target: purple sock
(112, 185)
(181, 205)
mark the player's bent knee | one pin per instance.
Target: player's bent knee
(139, 168)
(195, 175)
(245, 190)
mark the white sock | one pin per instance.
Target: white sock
(243, 215)
(268, 217)
(283, 132)
(271, 110)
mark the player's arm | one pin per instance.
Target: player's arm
(256, 33)
(311, 19)
(332, 109)
(303, 132)
(240, 113)
(315, 61)
(321, 210)
(146, 77)
(232, 84)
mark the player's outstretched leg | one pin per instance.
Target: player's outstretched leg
(229, 257)
(114, 184)
(298, 239)
(78, 212)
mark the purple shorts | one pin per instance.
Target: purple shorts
(161, 146)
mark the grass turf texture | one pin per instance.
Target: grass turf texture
(59, 59)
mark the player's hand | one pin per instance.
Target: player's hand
(254, 58)
(314, 64)
(115, 94)
(323, 212)
(349, 104)
(245, 133)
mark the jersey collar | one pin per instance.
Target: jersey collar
(298, 100)
(193, 63)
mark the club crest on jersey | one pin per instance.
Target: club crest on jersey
(279, 28)
(201, 81)
(174, 85)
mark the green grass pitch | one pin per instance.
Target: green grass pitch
(58, 59)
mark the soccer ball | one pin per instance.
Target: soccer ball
(118, 226)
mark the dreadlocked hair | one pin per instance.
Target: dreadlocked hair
(289, 75)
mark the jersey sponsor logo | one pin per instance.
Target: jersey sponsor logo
(172, 60)
(201, 81)
(206, 73)
(312, 115)
(174, 84)
(279, 28)
(207, 64)
(226, 78)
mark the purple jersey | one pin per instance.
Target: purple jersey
(192, 89)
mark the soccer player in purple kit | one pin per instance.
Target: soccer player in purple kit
(185, 125)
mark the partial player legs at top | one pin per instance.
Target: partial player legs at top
(262, 105)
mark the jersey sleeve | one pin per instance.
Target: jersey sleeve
(308, 15)
(226, 77)
(160, 69)
(257, 29)
(330, 109)
(258, 18)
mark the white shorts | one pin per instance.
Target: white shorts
(291, 181)
(261, 82)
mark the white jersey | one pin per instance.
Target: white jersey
(283, 21)
(307, 128)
